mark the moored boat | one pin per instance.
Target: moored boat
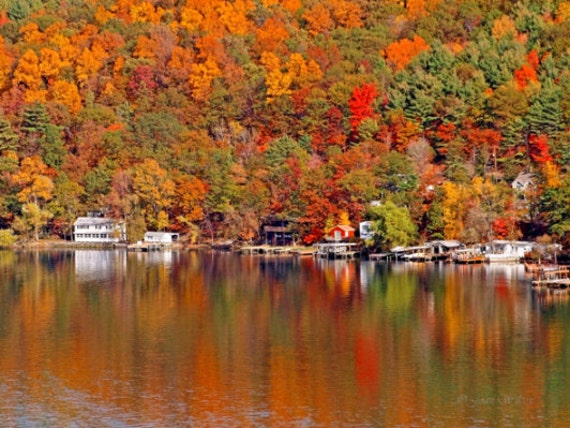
(469, 258)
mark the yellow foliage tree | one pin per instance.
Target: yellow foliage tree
(201, 77)
(563, 12)
(66, 93)
(344, 218)
(153, 188)
(454, 209)
(303, 72)
(146, 12)
(32, 220)
(118, 67)
(190, 18)
(27, 71)
(234, 16)
(50, 64)
(68, 52)
(551, 173)
(31, 34)
(503, 26)
(203, 16)
(102, 16)
(35, 186)
(277, 82)
(481, 188)
(87, 65)
(54, 30)
(161, 221)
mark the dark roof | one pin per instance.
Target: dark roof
(278, 229)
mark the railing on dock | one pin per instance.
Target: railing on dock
(554, 277)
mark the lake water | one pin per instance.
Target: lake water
(184, 339)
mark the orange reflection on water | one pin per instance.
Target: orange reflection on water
(208, 340)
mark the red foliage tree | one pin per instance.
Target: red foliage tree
(539, 150)
(532, 59)
(360, 104)
(479, 138)
(524, 75)
(500, 228)
(335, 131)
(142, 77)
(444, 135)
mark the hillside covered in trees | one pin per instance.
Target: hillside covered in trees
(210, 117)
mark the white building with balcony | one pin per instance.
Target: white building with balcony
(94, 229)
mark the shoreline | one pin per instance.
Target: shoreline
(49, 244)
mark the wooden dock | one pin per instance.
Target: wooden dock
(337, 250)
(270, 250)
(380, 256)
(557, 278)
(145, 247)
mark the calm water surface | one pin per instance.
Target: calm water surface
(115, 339)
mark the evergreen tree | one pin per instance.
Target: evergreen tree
(8, 138)
(41, 136)
(544, 115)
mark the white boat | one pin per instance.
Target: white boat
(506, 251)
(502, 258)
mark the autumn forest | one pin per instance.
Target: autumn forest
(211, 118)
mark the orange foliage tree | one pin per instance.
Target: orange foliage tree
(6, 62)
(399, 54)
(319, 19)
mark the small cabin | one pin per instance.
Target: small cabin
(341, 232)
(165, 238)
(278, 233)
(98, 229)
(444, 247)
(524, 181)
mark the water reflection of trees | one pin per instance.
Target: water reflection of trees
(204, 338)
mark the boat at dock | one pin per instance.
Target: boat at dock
(419, 256)
(468, 256)
(500, 251)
